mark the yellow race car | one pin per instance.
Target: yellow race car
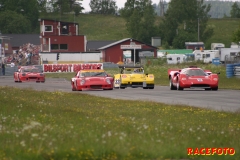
(133, 76)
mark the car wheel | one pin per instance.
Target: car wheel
(215, 89)
(122, 87)
(73, 87)
(171, 85)
(178, 86)
(151, 87)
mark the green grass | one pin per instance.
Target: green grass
(160, 71)
(96, 26)
(223, 30)
(55, 125)
(108, 27)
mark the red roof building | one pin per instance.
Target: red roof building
(114, 51)
(59, 36)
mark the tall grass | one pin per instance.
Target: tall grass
(56, 125)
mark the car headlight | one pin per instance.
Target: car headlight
(184, 79)
(82, 82)
(215, 79)
(108, 81)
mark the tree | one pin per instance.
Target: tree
(235, 11)
(130, 5)
(63, 6)
(236, 35)
(11, 22)
(147, 25)
(182, 37)
(103, 6)
(28, 8)
(140, 19)
(42, 5)
(183, 15)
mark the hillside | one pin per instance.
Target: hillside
(108, 27)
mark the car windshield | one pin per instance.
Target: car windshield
(32, 70)
(196, 72)
(133, 71)
(93, 74)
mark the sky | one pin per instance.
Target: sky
(119, 4)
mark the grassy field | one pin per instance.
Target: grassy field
(108, 27)
(69, 126)
(160, 71)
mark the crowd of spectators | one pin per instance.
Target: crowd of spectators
(27, 54)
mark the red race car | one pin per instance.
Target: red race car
(91, 80)
(29, 74)
(192, 77)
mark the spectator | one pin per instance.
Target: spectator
(3, 68)
(12, 64)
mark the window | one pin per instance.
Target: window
(64, 28)
(54, 47)
(195, 72)
(232, 53)
(48, 29)
(170, 58)
(207, 55)
(178, 58)
(64, 46)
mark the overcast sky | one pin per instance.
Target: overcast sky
(120, 4)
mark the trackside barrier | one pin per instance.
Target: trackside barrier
(237, 71)
(232, 70)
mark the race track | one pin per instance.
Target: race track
(222, 100)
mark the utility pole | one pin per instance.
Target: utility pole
(198, 29)
(161, 8)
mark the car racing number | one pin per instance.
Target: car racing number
(144, 84)
(117, 83)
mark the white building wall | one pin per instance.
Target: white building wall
(71, 57)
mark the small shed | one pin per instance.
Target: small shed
(114, 51)
(194, 45)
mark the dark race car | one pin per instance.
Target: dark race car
(192, 77)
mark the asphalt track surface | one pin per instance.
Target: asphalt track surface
(221, 100)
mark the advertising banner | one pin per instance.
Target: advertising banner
(70, 67)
